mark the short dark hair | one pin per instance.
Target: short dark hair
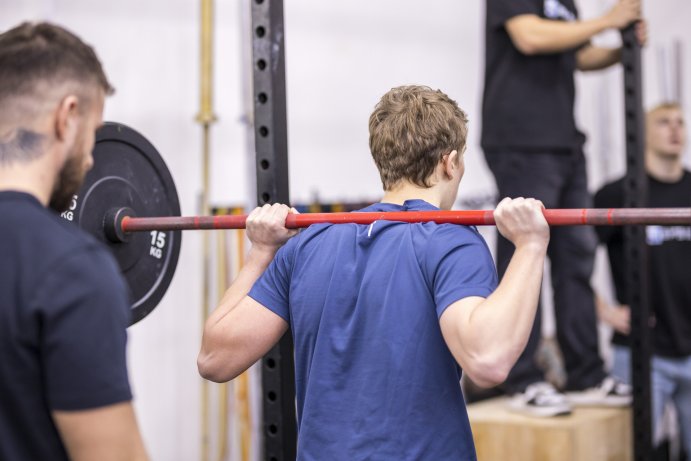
(411, 129)
(42, 52)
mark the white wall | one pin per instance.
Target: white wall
(341, 56)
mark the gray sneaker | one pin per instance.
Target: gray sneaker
(540, 399)
(609, 393)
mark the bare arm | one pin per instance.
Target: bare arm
(102, 434)
(240, 331)
(486, 336)
(596, 58)
(532, 34)
(616, 316)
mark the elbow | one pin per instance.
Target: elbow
(488, 378)
(214, 361)
(530, 41)
(489, 372)
(211, 369)
(207, 369)
(527, 45)
(525, 40)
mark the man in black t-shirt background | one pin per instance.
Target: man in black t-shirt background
(64, 308)
(669, 256)
(534, 149)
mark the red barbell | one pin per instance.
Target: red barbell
(554, 217)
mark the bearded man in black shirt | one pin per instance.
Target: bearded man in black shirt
(64, 307)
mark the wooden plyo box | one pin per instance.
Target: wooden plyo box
(588, 434)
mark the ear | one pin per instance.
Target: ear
(450, 163)
(66, 118)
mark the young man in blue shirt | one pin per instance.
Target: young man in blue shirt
(384, 314)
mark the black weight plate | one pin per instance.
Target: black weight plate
(129, 172)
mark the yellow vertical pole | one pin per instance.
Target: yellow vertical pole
(222, 276)
(242, 382)
(205, 117)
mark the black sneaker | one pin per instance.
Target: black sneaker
(609, 393)
(540, 399)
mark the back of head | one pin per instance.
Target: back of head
(42, 62)
(410, 130)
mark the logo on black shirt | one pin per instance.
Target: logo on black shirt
(555, 10)
(657, 235)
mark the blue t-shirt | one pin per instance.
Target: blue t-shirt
(63, 318)
(374, 377)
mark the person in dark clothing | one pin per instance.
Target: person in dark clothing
(534, 149)
(669, 257)
(64, 308)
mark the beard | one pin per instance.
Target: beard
(68, 182)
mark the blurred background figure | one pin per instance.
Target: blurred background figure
(669, 253)
(534, 149)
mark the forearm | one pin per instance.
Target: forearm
(258, 259)
(616, 316)
(596, 58)
(534, 35)
(256, 262)
(501, 324)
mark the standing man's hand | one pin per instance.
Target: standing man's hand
(616, 316)
(642, 32)
(522, 221)
(266, 226)
(624, 13)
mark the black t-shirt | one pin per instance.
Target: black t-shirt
(63, 318)
(528, 101)
(670, 260)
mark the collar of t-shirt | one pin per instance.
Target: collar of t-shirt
(14, 195)
(408, 205)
